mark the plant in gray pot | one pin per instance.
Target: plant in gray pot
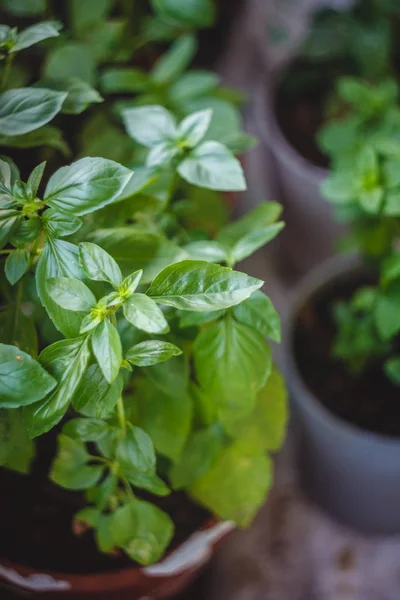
(298, 100)
(342, 342)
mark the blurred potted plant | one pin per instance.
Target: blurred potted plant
(342, 343)
(358, 41)
(134, 367)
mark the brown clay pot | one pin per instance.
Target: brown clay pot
(162, 580)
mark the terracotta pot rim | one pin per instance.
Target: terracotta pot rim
(118, 579)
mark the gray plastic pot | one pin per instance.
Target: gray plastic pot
(310, 230)
(351, 473)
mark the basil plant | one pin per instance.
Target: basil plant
(170, 362)
(364, 186)
(126, 330)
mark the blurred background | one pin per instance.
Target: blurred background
(286, 56)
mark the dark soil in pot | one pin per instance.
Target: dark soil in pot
(37, 516)
(368, 401)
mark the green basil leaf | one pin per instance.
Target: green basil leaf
(201, 450)
(132, 248)
(392, 369)
(391, 173)
(23, 380)
(150, 483)
(106, 39)
(265, 427)
(70, 469)
(85, 430)
(162, 154)
(71, 294)
(135, 451)
(44, 136)
(208, 250)
(392, 204)
(104, 537)
(193, 85)
(16, 329)
(24, 8)
(77, 479)
(226, 122)
(58, 356)
(122, 80)
(107, 444)
(255, 238)
(80, 95)
(135, 248)
(43, 416)
(58, 223)
(212, 166)
(151, 352)
(123, 524)
(236, 485)
(196, 13)
(5, 177)
(21, 191)
(259, 313)
(149, 125)
(95, 397)
(98, 264)
(24, 109)
(239, 143)
(130, 283)
(35, 34)
(194, 127)
(89, 515)
(35, 178)
(390, 269)
(86, 185)
(143, 313)
(171, 377)
(232, 362)
(173, 63)
(200, 286)
(372, 200)
(106, 346)
(16, 449)
(17, 264)
(26, 231)
(71, 59)
(9, 221)
(153, 534)
(84, 15)
(194, 319)
(387, 314)
(339, 187)
(72, 453)
(261, 217)
(102, 494)
(59, 259)
(165, 417)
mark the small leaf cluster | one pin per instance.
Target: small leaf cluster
(364, 186)
(359, 40)
(123, 322)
